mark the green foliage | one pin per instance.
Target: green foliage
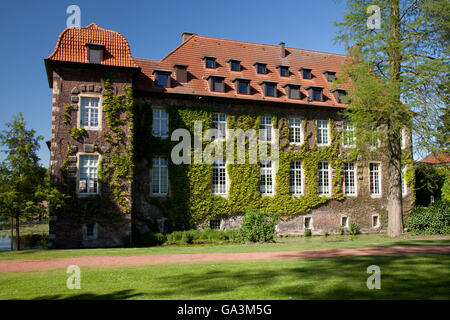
(152, 239)
(258, 226)
(307, 232)
(207, 234)
(77, 133)
(354, 229)
(445, 191)
(432, 220)
(341, 231)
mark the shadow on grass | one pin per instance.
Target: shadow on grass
(118, 295)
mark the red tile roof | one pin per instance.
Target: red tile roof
(71, 46)
(437, 158)
(192, 52)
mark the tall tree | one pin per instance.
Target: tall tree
(399, 68)
(22, 177)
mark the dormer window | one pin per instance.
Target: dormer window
(180, 73)
(340, 95)
(216, 83)
(292, 90)
(235, 65)
(306, 73)
(315, 93)
(210, 62)
(331, 75)
(269, 88)
(261, 67)
(95, 52)
(242, 85)
(162, 77)
(284, 71)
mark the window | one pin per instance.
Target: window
(375, 221)
(349, 134)
(270, 90)
(210, 62)
(87, 183)
(217, 84)
(344, 222)
(293, 91)
(160, 123)
(266, 178)
(322, 132)
(214, 224)
(375, 179)
(342, 96)
(220, 123)
(160, 176)
(89, 113)
(404, 189)
(219, 181)
(317, 94)
(349, 178)
(243, 87)
(295, 131)
(265, 129)
(95, 52)
(90, 230)
(306, 73)
(162, 79)
(307, 223)
(331, 75)
(295, 177)
(181, 73)
(261, 68)
(235, 65)
(324, 178)
(284, 71)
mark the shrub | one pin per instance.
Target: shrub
(152, 239)
(341, 231)
(307, 233)
(354, 229)
(258, 226)
(432, 220)
(188, 236)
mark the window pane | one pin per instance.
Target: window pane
(323, 178)
(160, 176)
(162, 79)
(270, 90)
(210, 63)
(160, 123)
(243, 87)
(306, 74)
(235, 66)
(375, 178)
(88, 174)
(317, 94)
(89, 112)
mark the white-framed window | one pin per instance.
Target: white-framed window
(295, 130)
(160, 123)
(404, 188)
(220, 123)
(266, 177)
(324, 178)
(375, 187)
(89, 113)
(87, 178)
(349, 134)
(349, 178)
(214, 224)
(160, 176)
(375, 221)
(295, 177)
(265, 129)
(307, 222)
(344, 221)
(322, 132)
(219, 178)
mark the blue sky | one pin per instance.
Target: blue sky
(153, 28)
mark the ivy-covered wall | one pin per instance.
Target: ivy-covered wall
(190, 201)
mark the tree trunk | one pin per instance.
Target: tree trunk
(17, 232)
(11, 238)
(394, 206)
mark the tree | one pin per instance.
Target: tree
(23, 179)
(397, 69)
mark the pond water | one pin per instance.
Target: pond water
(26, 242)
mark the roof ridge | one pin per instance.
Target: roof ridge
(179, 46)
(272, 45)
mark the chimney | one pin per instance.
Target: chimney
(186, 35)
(283, 50)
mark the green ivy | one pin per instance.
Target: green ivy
(78, 133)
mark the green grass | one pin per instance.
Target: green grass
(281, 244)
(402, 277)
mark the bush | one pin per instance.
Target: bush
(258, 226)
(188, 236)
(354, 229)
(152, 239)
(432, 220)
(341, 231)
(307, 233)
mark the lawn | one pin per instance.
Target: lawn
(402, 277)
(281, 244)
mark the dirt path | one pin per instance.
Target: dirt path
(30, 265)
